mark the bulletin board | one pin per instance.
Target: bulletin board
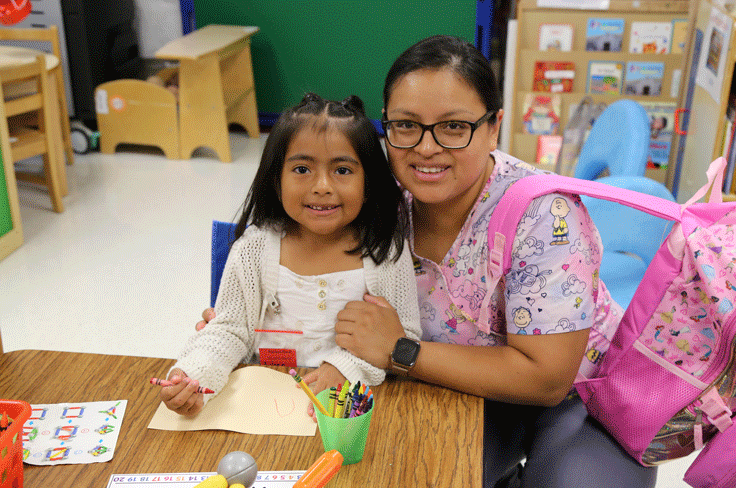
(334, 48)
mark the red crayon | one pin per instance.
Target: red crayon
(201, 389)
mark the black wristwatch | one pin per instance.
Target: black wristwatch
(404, 356)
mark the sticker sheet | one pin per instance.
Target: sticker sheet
(72, 433)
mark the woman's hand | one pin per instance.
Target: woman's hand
(320, 379)
(369, 330)
(182, 396)
(207, 315)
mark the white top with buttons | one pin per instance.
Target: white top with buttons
(309, 304)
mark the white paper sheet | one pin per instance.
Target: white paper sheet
(255, 400)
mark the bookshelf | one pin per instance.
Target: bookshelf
(706, 102)
(531, 18)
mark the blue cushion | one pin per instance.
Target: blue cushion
(622, 274)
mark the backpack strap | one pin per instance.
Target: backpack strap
(714, 173)
(512, 206)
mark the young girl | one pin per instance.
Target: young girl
(323, 224)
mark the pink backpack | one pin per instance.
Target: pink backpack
(667, 384)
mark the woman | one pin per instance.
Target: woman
(521, 345)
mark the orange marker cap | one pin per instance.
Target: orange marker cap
(322, 471)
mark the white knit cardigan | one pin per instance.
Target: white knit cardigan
(248, 290)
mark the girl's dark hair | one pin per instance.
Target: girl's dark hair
(448, 52)
(383, 218)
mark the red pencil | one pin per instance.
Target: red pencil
(201, 389)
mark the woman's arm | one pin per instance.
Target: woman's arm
(536, 370)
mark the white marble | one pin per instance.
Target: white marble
(126, 268)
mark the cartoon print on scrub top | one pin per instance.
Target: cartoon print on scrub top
(559, 209)
(456, 288)
(522, 318)
(454, 317)
(466, 261)
(527, 280)
(449, 323)
(531, 275)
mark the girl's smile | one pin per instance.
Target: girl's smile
(323, 210)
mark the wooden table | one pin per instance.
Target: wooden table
(215, 86)
(15, 55)
(421, 435)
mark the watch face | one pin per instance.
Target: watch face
(406, 352)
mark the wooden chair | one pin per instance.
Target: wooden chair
(50, 36)
(29, 141)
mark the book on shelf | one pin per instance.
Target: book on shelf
(548, 150)
(553, 76)
(541, 114)
(679, 36)
(555, 37)
(605, 77)
(650, 37)
(644, 78)
(604, 34)
(661, 126)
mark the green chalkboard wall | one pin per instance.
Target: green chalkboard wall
(6, 217)
(333, 47)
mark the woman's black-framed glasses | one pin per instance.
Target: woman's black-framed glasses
(450, 134)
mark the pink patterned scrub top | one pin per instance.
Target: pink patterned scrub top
(552, 286)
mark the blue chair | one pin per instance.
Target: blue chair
(618, 142)
(222, 236)
(630, 237)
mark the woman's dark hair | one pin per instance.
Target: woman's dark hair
(383, 218)
(448, 52)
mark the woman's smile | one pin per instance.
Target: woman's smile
(429, 173)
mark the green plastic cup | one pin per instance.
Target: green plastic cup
(348, 436)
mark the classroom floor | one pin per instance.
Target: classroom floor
(126, 268)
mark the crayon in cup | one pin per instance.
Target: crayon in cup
(341, 399)
(158, 382)
(331, 402)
